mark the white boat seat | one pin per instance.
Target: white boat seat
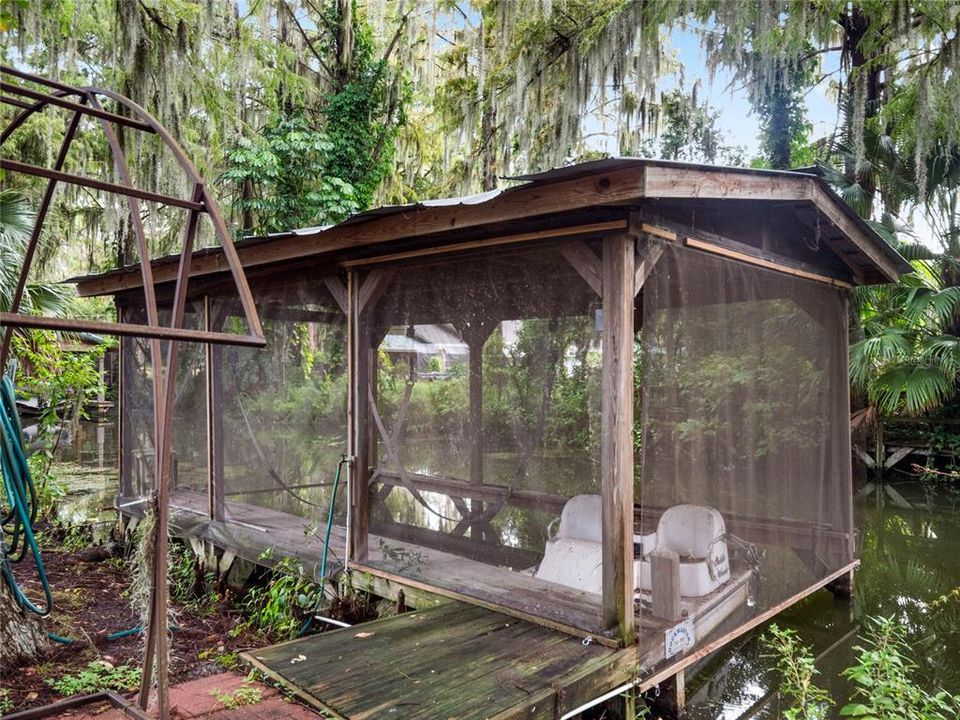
(573, 562)
(582, 518)
(697, 533)
(574, 556)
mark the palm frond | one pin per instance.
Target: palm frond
(912, 388)
(915, 251)
(871, 353)
(944, 350)
(16, 225)
(939, 306)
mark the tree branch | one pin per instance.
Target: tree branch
(819, 51)
(155, 16)
(310, 45)
(396, 37)
(331, 28)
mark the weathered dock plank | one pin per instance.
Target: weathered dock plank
(452, 661)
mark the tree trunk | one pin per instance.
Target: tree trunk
(488, 132)
(22, 638)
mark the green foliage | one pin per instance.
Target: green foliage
(50, 489)
(76, 538)
(951, 597)
(6, 702)
(365, 111)
(541, 392)
(244, 695)
(98, 675)
(320, 163)
(884, 684)
(689, 131)
(909, 358)
(16, 224)
(226, 660)
(62, 380)
(190, 584)
(279, 606)
(286, 177)
(781, 108)
(795, 664)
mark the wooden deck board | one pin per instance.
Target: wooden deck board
(453, 661)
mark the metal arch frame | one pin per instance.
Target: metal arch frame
(202, 202)
(164, 375)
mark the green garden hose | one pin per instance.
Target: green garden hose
(19, 520)
(22, 501)
(326, 544)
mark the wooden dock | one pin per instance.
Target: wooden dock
(453, 661)
(247, 531)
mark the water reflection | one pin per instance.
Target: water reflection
(85, 463)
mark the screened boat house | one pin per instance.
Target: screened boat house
(610, 400)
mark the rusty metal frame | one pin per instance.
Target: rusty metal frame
(86, 103)
(73, 703)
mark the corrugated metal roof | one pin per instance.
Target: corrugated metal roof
(557, 174)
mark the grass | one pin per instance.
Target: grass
(244, 695)
(226, 660)
(98, 675)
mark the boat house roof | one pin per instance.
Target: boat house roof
(578, 200)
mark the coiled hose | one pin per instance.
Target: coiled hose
(23, 504)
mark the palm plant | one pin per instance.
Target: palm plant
(908, 358)
(16, 225)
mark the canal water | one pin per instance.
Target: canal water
(86, 465)
(909, 558)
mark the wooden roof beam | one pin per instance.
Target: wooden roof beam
(831, 209)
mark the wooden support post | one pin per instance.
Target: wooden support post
(214, 382)
(476, 427)
(671, 701)
(364, 291)
(843, 587)
(125, 464)
(359, 374)
(616, 453)
(879, 455)
(844, 452)
(476, 408)
(476, 335)
(665, 584)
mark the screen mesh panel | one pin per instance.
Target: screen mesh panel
(483, 414)
(277, 425)
(282, 409)
(189, 441)
(746, 484)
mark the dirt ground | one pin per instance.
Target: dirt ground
(90, 603)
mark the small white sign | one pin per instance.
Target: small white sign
(678, 639)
